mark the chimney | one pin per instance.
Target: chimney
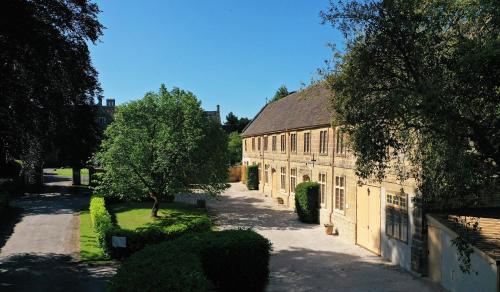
(110, 102)
(218, 108)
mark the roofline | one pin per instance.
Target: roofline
(254, 118)
(288, 130)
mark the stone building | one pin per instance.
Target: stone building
(105, 113)
(292, 141)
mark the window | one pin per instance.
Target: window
(253, 144)
(307, 142)
(396, 221)
(340, 147)
(322, 188)
(274, 144)
(339, 193)
(102, 121)
(283, 178)
(245, 144)
(258, 144)
(266, 173)
(265, 143)
(293, 143)
(259, 170)
(283, 143)
(293, 179)
(323, 142)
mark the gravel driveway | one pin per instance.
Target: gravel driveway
(304, 258)
(41, 253)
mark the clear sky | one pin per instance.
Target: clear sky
(229, 52)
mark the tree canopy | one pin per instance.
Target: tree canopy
(235, 124)
(280, 93)
(422, 79)
(160, 146)
(47, 81)
(234, 148)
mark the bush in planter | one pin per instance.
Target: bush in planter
(253, 177)
(231, 260)
(307, 202)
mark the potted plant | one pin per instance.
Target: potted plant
(328, 228)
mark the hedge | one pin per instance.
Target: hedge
(231, 260)
(141, 237)
(253, 177)
(307, 202)
(101, 219)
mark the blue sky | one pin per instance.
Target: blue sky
(233, 53)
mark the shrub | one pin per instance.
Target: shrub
(141, 237)
(101, 219)
(231, 260)
(307, 202)
(253, 177)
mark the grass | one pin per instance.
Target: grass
(69, 172)
(89, 247)
(133, 215)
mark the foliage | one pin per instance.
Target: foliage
(280, 93)
(160, 146)
(231, 260)
(90, 250)
(100, 218)
(234, 124)
(253, 177)
(234, 148)
(134, 222)
(421, 79)
(48, 83)
(307, 202)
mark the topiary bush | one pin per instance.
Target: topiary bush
(253, 177)
(230, 260)
(307, 202)
(101, 219)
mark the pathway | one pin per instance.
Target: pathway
(304, 258)
(41, 253)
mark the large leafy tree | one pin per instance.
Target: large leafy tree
(422, 79)
(234, 124)
(47, 81)
(160, 146)
(281, 92)
(234, 148)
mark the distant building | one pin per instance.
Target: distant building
(105, 113)
(214, 114)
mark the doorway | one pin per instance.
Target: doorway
(368, 218)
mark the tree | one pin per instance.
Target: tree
(280, 93)
(421, 79)
(234, 148)
(235, 124)
(46, 79)
(160, 146)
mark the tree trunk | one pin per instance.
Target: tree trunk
(156, 205)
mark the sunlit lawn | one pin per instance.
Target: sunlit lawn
(89, 247)
(132, 215)
(69, 171)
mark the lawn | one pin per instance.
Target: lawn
(89, 247)
(69, 171)
(133, 215)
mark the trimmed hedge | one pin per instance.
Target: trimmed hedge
(253, 177)
(231, 260)
(307, 202)
(101, 219)
(141, 237)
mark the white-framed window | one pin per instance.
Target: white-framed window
(322, 188)
(339, 193)
(266, 173)
(283, 143)
(293, 179)
(340, 147)
(273, 143)
(283, 178)
(293, 142)
(396, 216)
(323, 142)
(307, 142)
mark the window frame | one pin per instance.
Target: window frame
(273, 143)
(283, 178)
(266, 174)
(253, 143)
(283, 143)
(322, 188)
(396, 207)
(340, 147)
(266, 140)
(307, 142)
(293, 142)
(323, 142)
(293, 175)
(258, 144)
(340, 186)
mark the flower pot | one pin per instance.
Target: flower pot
(329, 229)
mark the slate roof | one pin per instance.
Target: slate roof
(306, 108)
(487, 237)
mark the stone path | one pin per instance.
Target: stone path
(304, 258)
(42, 251)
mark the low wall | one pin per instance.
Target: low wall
(235, 173)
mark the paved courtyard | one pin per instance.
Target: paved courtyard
(304, 258)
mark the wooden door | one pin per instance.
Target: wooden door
(434, 248)
(368, 218)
